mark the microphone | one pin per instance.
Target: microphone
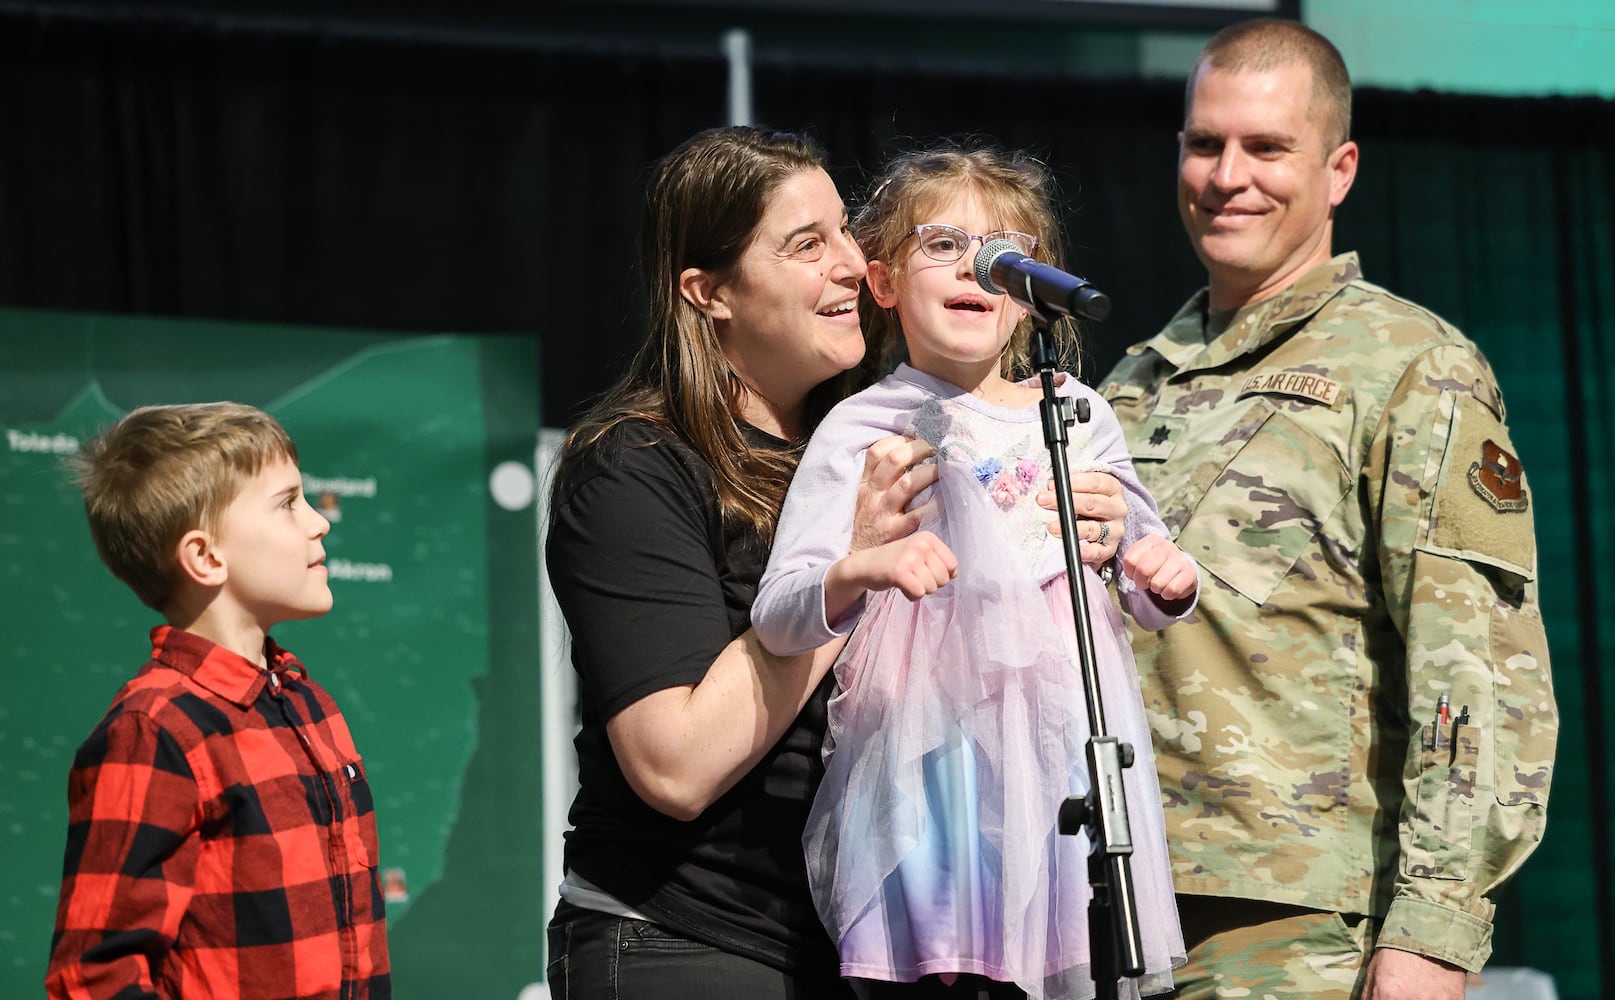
(1001, 269)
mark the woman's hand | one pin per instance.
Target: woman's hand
(1100, 509)
(895, 471)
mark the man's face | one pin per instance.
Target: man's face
(1256, 188)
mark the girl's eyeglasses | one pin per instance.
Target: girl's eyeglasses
(949, 243)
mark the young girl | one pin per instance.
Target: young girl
(959, 726)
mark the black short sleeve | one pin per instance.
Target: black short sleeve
(633, 569)
(637, 560)
(652, 589)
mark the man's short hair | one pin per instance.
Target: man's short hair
(1268, 43)
(164, 470)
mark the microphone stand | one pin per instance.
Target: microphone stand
(1115, 947)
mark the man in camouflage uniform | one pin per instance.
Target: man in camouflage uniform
(1336, 459)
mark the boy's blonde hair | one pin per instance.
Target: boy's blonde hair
(164, 470)
(1018, 194)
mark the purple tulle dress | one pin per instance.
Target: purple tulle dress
(958, 730)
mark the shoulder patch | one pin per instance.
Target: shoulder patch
(1480, 507)
(1299, 384)
(1497, 478)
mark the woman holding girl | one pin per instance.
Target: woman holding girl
(959, 728)
(699, 750)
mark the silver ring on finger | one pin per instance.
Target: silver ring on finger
(1104, 533)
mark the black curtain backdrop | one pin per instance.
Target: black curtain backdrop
(289, 177)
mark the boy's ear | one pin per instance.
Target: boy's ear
(199, 560)
(703, 290)
(882, 288)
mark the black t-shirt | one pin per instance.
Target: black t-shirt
(652, 590)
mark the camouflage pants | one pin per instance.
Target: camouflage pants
(1270, 951)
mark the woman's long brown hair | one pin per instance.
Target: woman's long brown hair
(701, 209)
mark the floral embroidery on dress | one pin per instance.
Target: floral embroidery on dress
(1007, 457)
(930, 424)
(1005, 491)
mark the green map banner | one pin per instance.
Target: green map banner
(422, 451)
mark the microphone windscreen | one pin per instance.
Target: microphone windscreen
(986, 257)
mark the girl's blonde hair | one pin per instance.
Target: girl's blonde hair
(1018, 193)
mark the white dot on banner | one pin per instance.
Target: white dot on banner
(511, 485)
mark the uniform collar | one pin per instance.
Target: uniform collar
(221, 671)
(1183, 341)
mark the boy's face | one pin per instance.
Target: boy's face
(270, 539)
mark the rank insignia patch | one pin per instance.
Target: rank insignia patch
(1497, 479)
(1154, 440)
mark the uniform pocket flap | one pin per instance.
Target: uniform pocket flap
(1265, 507)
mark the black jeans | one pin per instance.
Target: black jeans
(597, 956)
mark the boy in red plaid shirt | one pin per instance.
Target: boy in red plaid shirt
(220, 839)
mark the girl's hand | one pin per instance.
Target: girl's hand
(917, 565)
(1159, 566)
(893, 476)
(1096, 502)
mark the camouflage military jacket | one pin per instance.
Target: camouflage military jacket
(1337, 461)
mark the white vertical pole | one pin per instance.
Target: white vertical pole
(737, 51)
(558, 693)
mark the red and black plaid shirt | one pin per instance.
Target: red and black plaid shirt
(221, 840)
